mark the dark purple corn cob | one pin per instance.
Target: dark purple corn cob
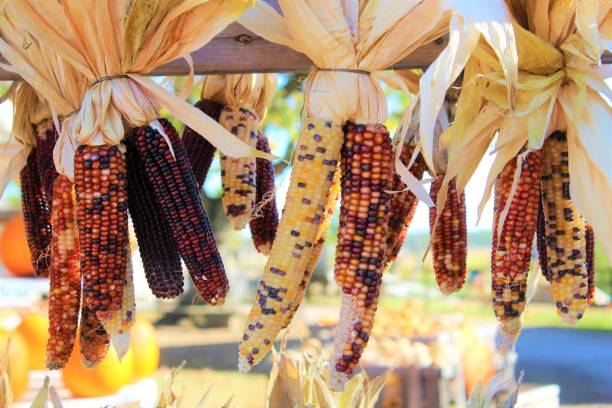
(590, 260)
(177, 194)
(158, 251)
(541, 242)
(199, 150)
(36, 215)
(46, 136)
(265, 221)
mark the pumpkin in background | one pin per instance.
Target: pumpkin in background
(478, 364)
(144, 349)
(105, 379)
(34, 328)
(17, 364)
(14, 250)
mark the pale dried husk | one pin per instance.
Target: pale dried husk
(560, 86)
(354, 36)
(114, 57)
(253, 91)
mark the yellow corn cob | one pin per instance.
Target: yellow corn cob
(330, 207)
(566, 250)
(238, 175)
(314, 164)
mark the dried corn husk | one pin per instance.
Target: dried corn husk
(561, 86)
(253, 91)
(52, 88)
(113, 44)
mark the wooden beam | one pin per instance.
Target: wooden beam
(238, 50)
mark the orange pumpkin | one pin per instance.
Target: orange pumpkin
(105, 379)
(18, 366)
(478, 364)
(14, 250)
(34, 328)
(144, 348)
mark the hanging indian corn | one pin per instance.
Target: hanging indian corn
(566, 244)
(100, 180)
(264, 222)
(514, 227)
(359, 42)
(93, 339)
(403, 204)
(64, 276)
(158, 251)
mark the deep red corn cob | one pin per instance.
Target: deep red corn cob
(199, 150)
(64, 277)
(36, 215)
(511, 255)
(177, 194)
(264, 223)
(93, 339)
(46, 136)
(158, 251)
(449, 240)
(403, 205)
(367, 172)
(100, 178)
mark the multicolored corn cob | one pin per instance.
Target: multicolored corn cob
(36, 215)
(565, 232)
(541, 241)
(238, 174)
(511, 253)
(200, 151)
(361, 252)
(64, 277)
(264, 223)
(314, 163)
(158, 251)
(100, 180)
(449, 239)
(590, 256)
(403, 204)
(177, 194)
(330, 207)
(93, 339)
(46, 136)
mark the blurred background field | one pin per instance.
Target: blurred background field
(449, 338)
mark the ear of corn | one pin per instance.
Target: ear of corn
(264, 223)
(177, 194)
(330, 207)
(200, 151)
(511, 253)
(102, 212)
(403, 204)
(93, 339)
(314, 162)
(64, 277)
(541, 241)
(36, 215)
(158, 251)
(46, 136)
(367, 173)
(590, 259)
(449, 239)
(565, 232)
(238, 174)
